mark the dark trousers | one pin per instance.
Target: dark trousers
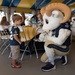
(38, 45)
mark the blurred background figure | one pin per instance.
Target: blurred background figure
(4, 25)
(40, 20)
(73, 21)
(4, 21)
(34, 18)
(27, 21)
(40, 23)
(23, 18)
(73, 26)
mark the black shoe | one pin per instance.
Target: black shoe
(48, 67)
(64, 60)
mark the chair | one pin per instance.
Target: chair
(27, 34)
(36, 40)
(4, 36)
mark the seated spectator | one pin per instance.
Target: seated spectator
(73, 22)
(23, 19)
(40, 20)
(73, 26)
(40, 23)
(34, 18)
(27, 21)
(4, 21)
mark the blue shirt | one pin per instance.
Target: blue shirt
(14, 31)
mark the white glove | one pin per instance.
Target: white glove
(42, 37)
